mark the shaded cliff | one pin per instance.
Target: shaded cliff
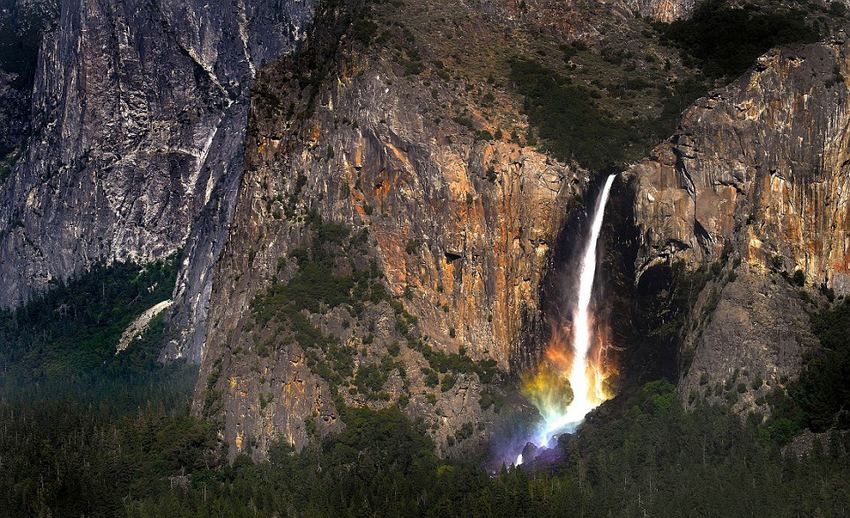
(137, 121)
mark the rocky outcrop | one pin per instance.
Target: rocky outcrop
(756, 180)
(747, 336)
(138, 111)
(833, 444)
(137, 125)
(140, 324)
(760, 166)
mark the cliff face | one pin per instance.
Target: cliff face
(406, 130)
(138, 116)
(128, 144)
(755, 180)
(459, 228)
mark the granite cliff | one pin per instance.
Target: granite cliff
(409, 172)
(752, 192)
(372, 197)
(135, 131)
(457, 228)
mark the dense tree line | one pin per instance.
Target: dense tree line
(641, 456)
(117, 439)
(70, 333)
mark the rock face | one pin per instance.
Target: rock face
(460, 229)
(138, 117)
(21, 25)
(748, 334)
(129, 142)
(761, 166)
(756, 180)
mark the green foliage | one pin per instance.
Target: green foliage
(724, 40)
(823, 389)
(380, 465)
(567, 118)
(448, 382)
(656, 396)
(412, 246)
(85, 452)
(331, 272)
(72, 331)
(432, 379)
(572, 125)
(364, 30)
(456, 363)
(639, 454)
(490, 398)
(370, 378)
(464, 432)
(818, 399)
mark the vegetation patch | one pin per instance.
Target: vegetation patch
(384, 465)
(570, 121)
(818, 400)
(724, 40)
(72, 330)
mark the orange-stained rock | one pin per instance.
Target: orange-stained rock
(461, 231)
(756, 180)
(760, 166)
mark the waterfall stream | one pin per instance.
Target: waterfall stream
(584, 376)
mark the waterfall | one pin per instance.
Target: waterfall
(587, 397)
(584, 376)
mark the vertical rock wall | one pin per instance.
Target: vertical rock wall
(755, 180)
(461, 229)
(138, 118)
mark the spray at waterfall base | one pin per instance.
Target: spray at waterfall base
(564, 391)
(571, 379)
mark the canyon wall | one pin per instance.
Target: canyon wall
(128, 145)
(137, 121)
(755, 182)
(459, 226)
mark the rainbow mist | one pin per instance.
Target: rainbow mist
(568, 383)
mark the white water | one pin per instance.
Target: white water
(586, 395)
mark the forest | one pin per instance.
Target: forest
(122, 442)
